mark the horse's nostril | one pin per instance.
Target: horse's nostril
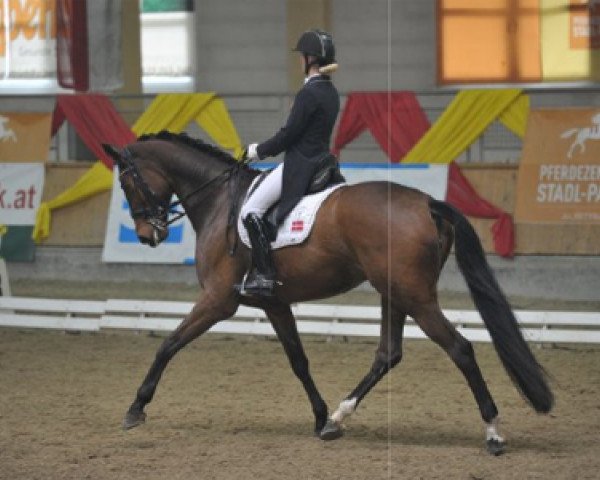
(144, 240)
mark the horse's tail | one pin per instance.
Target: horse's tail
(517, 358)
(569, 133)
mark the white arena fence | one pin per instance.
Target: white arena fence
(313, 319)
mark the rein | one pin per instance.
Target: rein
(223, 176)
(157, 213)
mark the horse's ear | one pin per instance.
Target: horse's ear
(112, 152)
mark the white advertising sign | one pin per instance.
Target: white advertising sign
(122, 245)
(21, 186)
(431, 179)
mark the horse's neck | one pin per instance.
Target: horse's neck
(202, 184)
(187, 175)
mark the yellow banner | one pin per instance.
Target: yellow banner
(559, 174)
(24, 137)
(570, 39)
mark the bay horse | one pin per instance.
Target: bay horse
(394, 237)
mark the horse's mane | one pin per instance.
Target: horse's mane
(195, 143)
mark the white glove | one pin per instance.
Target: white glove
(252, 154)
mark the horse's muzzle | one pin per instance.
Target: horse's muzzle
(152, 240)
(151, 235)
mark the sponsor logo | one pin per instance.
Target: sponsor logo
(6, 133)
(582, 135)
(297, 226)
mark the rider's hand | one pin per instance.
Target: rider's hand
(251, 153)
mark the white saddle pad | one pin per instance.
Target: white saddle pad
(298, 224)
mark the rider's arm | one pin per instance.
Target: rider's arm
(304, 106)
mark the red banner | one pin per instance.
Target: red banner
(72, 45)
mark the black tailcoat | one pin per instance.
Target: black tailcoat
(304, 138)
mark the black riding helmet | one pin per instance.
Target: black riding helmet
(319, 44)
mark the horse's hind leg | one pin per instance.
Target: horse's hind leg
(388, 355)
(437, 327)
(284, 323)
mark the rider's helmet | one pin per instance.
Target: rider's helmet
(318, 44)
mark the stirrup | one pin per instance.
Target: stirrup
(256, 286)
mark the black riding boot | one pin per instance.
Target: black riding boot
(261, 279)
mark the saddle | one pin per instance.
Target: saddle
(326, 175)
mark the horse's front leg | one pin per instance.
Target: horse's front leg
(284, 324)
(388, 355)
(208, 311)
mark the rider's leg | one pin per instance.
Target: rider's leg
(265, 195)
(262, 279)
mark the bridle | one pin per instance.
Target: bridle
(156, 213)
(153, 210)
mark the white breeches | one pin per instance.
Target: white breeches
(267, 193)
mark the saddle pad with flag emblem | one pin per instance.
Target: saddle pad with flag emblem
(296, 228)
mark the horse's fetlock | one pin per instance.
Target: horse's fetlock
(144, 396)
(489, 411)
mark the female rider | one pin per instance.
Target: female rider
(304, 138)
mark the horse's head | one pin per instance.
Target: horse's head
(148, 194)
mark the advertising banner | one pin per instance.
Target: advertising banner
(24, 137)
(21, 186)
(122, 245)
(28, 38)
(559, 174)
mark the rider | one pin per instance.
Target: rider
(305, 140)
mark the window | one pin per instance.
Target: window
(167, 42)
(27, 46)
(496, 41)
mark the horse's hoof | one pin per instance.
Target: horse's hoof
(331, 431)
(495, 447)
(133, 419)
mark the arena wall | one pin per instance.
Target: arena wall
(242, 53)
(84, 224)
